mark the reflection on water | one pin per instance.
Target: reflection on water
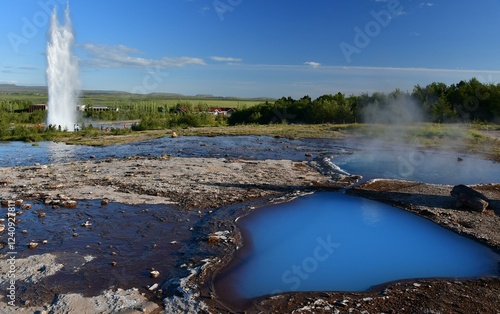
(337, 242)
(60, 152)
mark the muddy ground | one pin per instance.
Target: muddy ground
(108, 223)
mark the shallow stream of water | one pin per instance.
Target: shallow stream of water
(336, 242)
(248, 147)
(118, 246)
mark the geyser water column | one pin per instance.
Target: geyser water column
(62, 74)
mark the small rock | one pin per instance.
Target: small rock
(87, 224)
(174, 135)
(75, 235)
(154, 274)
(153, 287)
(41, 215)
(113, 264)
(24, 232)
(308, 155)
(416, 284)
(62, 197)
(213, 239)
(104, 202)
(7, 203)
(18, 202)
(45, 242)
(2, 228)
(341, 302)
(32, 245)
(26, 207)
(69, 204)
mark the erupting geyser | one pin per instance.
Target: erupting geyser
(62, 74)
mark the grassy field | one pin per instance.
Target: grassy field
(125, 100)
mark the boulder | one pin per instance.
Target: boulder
(469, 198)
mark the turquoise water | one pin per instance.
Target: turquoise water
(337, 242)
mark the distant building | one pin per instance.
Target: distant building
(37, 107)
(221, 111)
(100, 109)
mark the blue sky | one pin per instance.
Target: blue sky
(253, 48)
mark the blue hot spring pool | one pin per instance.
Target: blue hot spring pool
(336, 242)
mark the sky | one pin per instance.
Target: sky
(257, 48)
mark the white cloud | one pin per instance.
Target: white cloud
(426, 4)
(105, 56)
(8, 82)
(225, 59)
(312, 64)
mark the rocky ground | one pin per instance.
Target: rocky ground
(227, 189)
(187, 182)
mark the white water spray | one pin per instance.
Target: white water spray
(62, 74)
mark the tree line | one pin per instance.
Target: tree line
(467, 101)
